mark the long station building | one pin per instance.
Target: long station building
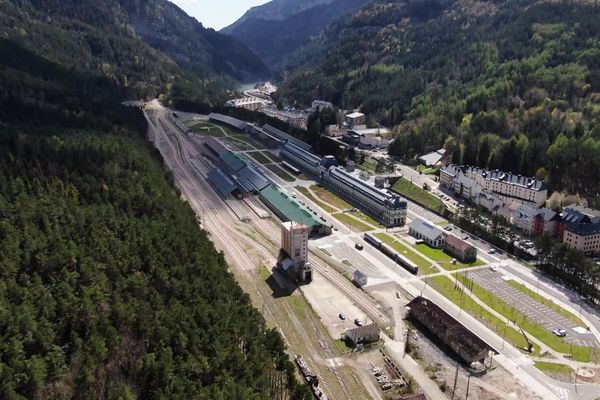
(386, 207)
(234, 175)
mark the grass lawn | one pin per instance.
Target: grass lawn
(260, 157)
(447, 287)
(580, 353)
(207, 129)
(308, 194)
(425, 170)
(547, 302)
(418, 195)
(352, 223)
(264, 273)
(280, 172)
(329, 198)
(272, 156)
(368, 165)
(364, 217)
(439, 256)
(246, 139)
(240, 144)
(342, 346)
(553, 367)
(425, 266)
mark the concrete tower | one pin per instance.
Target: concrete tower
(294, 251)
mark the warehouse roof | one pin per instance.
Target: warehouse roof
(234, 161)
(281, 135)
(223, 183)
(301, 153)
(355, 115)
(465, 343)
(427, 230)
(433, 158)
(227, 120)
(252, 175)
(215, 146)
(289, 207)
(457, 243)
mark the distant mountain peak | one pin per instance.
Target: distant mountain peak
(278, 28)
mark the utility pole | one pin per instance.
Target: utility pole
(455, 381)
(468, 384)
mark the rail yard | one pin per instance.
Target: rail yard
(244, 218)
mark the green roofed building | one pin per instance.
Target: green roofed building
(233, 161)
(288, 208)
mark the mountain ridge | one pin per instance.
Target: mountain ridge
(274, 36)
(160, 24)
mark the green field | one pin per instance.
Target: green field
(425, 170)
(553, 367)
(547, 302)
(366, 218)
(448, 288)
(312, 198)
(352, 223)
(260, 157)
(280, 172)
(418, 195)
(445, 260)
(205, 128)
(425, 267)
(368, 165)
(580, 353)
(272, 156)
(329, 198)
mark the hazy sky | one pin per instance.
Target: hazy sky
(217, 14)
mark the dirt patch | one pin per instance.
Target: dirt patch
(497, 384)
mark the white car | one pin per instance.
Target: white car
(494, 268)
(560, 332)
(492, 251)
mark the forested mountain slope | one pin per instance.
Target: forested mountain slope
(276, 32)
(108, 287)
(117, 34)
(502, 84)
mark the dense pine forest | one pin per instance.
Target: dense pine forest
(108, 288)
(513, 84)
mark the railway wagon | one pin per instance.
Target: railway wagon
(392, 254)
(373, 241)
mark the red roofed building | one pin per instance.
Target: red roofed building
(460, 249)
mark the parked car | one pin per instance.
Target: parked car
(492, 251)
(494, 268)
(560, 332)
(358, 246)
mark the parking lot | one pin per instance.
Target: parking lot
(495, 282)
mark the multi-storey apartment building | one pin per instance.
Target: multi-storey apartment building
(584, 237)
(506, 186)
